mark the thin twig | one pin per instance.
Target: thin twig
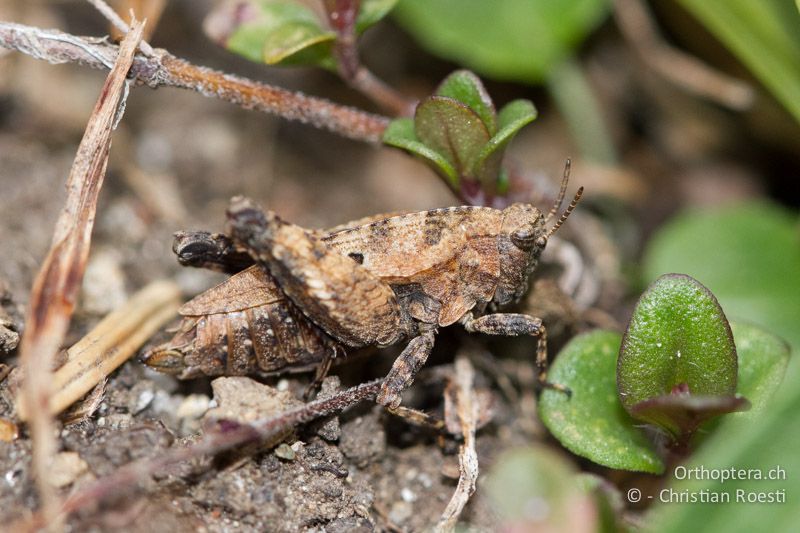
(637, 26)
(467, 408)
(165, 70)
(130, 475)
(112, 342)
(108, 12)
(382, 94)
(149, 10)
(57, 284)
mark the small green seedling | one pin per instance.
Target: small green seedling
(458, 133)
(676, 367)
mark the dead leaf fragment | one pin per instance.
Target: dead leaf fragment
(8, 430)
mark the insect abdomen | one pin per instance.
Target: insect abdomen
(263, 339)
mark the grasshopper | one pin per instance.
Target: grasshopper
(300, 297)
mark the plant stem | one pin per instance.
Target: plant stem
(342, 16)
(162, 69)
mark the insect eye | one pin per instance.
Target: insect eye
(195, 249)
(524, 238)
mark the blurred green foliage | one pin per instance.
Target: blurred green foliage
(748, 255)
(763, 359)
(764, 35)
(536, 489)
(284, 32)
(514, 40)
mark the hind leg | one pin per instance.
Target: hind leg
(404, 369)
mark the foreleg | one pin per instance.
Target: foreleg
(513, 325)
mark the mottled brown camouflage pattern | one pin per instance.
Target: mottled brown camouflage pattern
(371, 282)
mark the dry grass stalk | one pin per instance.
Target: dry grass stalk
(112, 342)
(59, 280)
(120, 25)
(149, 10)
(468, 409)
(637, 26)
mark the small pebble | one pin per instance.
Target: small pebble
(400, 512)
(143, 400)
(408, 495)
(65, 468)
(284, 451)
(193, 406)
(104, 283)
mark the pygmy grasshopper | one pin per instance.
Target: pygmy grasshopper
(300, 297)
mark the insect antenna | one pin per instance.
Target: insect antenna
(566, 213)
(560, 199)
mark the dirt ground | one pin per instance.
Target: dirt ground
(178, 157)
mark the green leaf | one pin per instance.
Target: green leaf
(273, 31)
(467, 88)
(764, 36)
(512, 118)
(592, 423)
(678, 334)
(678, 339)
(514, 115)
(514, 40)
(400, 134)
(371, 11)
(763, 358)
(297, 43)
(452, 129)
(535, 489)
(748, 255)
